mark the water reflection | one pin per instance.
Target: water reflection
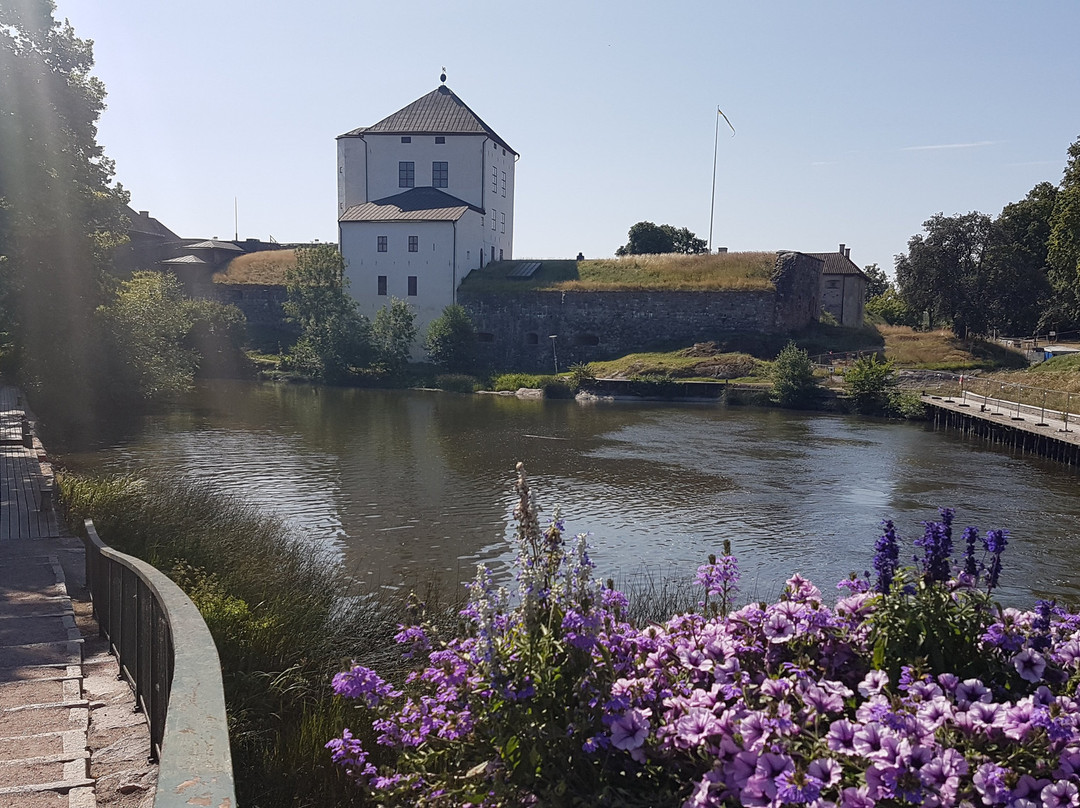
(408, 483)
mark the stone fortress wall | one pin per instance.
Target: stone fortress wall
(514, 331)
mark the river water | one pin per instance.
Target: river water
(404, 484)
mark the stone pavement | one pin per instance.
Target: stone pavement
(69, 737)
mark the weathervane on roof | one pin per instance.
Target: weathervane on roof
(442, 77)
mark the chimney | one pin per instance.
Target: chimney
(841, 248)
(847, 253)
(145, 214)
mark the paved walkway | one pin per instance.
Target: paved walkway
(68, 735)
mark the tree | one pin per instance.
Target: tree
(394, 332)
(1018, 289)
(891, 308)
(451, 340)
(647, 238)
(793, 377)
(943, 272)
(877, 281)
(334, 336)
(156, 339)
(1063, 251)
(869, 383)
(60, 216)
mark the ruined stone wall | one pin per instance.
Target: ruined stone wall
(514, 331)
(262, 306)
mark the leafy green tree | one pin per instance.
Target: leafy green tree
(394, 332)
(869, 382)
(1064, 241)
(149, 331)
(943, 271)
(334, 336)
(60, 216)
(647, 238)
(793, 378)
(1018, 289)
(877, 281)
(891, 308)
(451, 340)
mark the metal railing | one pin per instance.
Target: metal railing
(1057, 404)
(167, 655)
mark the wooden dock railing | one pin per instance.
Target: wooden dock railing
(166, 653)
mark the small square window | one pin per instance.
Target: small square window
(414, 243)
(412, 286)
(381, 243)
(406, 171)
(440, 139)
(440, 174)
(382, 284)
(406, 139)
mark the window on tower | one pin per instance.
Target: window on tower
(440, 174)
(406, 174)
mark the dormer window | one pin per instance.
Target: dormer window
(406, 139)
(439, 139)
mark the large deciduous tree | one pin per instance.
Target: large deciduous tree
(647, 238)
(1064, 241)
(944, 272)
(60, 215)
(334, 336)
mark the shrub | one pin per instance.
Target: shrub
(868, 382)
(581, 376)
(516, 381)
(451, 340)
(455, 382)
(554, 698)
(793, 378)
(393, 334)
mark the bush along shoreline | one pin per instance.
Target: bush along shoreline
(913, 688)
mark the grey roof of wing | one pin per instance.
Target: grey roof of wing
(440, 112)
(185, 259)
(415, 205)
(837, 264)
(213, 244)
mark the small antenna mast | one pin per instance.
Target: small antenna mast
(236, 219)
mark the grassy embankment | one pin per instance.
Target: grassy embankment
(724, 271)
(284, 618)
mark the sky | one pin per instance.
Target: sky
(854, 121)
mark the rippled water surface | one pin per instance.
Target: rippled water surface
(404, 483)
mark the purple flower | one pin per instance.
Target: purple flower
(630, 730)
(778, 627)
(971, 536)
(350, 755)
(989, 780)
(1030, 665)
(797, 787)
(874, 683)
(363, 683)
(937, 547)
(886, 557)
(994, 543)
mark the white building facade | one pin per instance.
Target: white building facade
(425, 196)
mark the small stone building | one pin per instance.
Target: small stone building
(843, 287)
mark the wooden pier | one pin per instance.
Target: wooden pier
(1048, 433)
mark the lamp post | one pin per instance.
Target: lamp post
(554, 353)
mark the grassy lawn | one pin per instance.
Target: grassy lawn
(745, 271)
(700, 363)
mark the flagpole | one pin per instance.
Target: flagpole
(712, 198)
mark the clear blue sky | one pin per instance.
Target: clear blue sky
(855, 121)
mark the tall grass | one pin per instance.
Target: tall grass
(263, 267)
(942, 350)
(745, 271)
(282, 614)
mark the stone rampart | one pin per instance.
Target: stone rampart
(514, 330)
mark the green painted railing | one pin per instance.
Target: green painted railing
(166, 653)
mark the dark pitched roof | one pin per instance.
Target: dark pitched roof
(415, 205)
(837, 264)
(214, 244)
(440, 112)
(143, 224)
